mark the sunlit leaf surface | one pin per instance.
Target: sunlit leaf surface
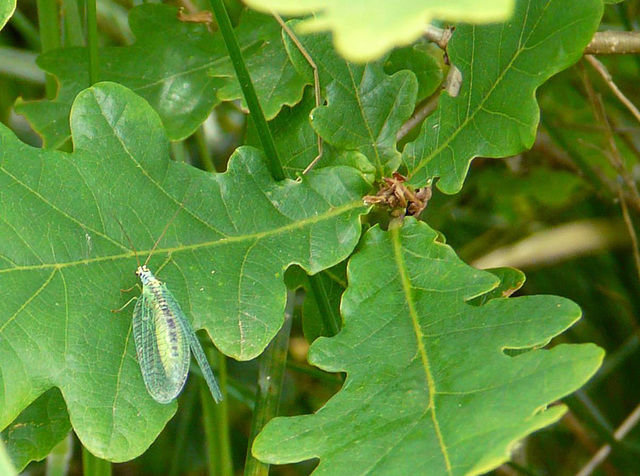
(364, 30)
(495, 113)
(64, 259)
(429, 373)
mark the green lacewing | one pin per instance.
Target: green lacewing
(164, 337)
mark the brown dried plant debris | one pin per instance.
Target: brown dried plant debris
(402, 199)
(204, 16)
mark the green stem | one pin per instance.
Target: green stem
(242, 393)
(216, 422)
(179, 151)
(270, 378)
(27, 29)
(226, 461)
(187, 407)
(59, 457)
(203, 151)
(114, 21)
(332, 322)
(248, 90)
(614, 360)
(210, 424)
(92, 42)
(49, 22)
(72, 23)
(94, 466)
(587, 412)
(583, 408)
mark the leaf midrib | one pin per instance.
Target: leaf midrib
(480, 106)
(406, 287)
(206, 244)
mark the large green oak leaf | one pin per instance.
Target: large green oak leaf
(64, 259)
(180, 68)
(365, 106)
(37, 430)
(495, 113)
(364, 30)
(7, 7)
(430, 386)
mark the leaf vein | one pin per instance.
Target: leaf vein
(28, 301)
(406, 286)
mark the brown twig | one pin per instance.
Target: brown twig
(451, 85)
(613, 154)
(568, 159)
(614, 43)
(622, 431)
(316, 81)
(419, 115)
(603, 42)
(631, 230)
(585, 439)
(439, 36)
(602, 71)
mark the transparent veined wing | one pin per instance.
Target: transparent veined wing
(201, 358)
(163, 350)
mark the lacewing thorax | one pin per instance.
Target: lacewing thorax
(164, 337)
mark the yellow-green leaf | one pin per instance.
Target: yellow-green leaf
(364, 30)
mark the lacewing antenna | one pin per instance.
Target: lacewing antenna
(165, 230)
(129, 240)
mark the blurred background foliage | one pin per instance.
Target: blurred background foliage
(565, 212)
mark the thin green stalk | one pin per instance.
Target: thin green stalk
(114, 21)
(614, 360)
(187, 407)
(581, 404)
(94, 466)
(587, 412)
(332, 322)
(179, 151)
(242, 393)
(203, 150)
(222, 411)
(20, 64)
(270, 378)
(49, 23)
(216, 422)
(92, 42)
(248, 90)
(27, 29)
(210, 426)
(59, 457)
(72, 23)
